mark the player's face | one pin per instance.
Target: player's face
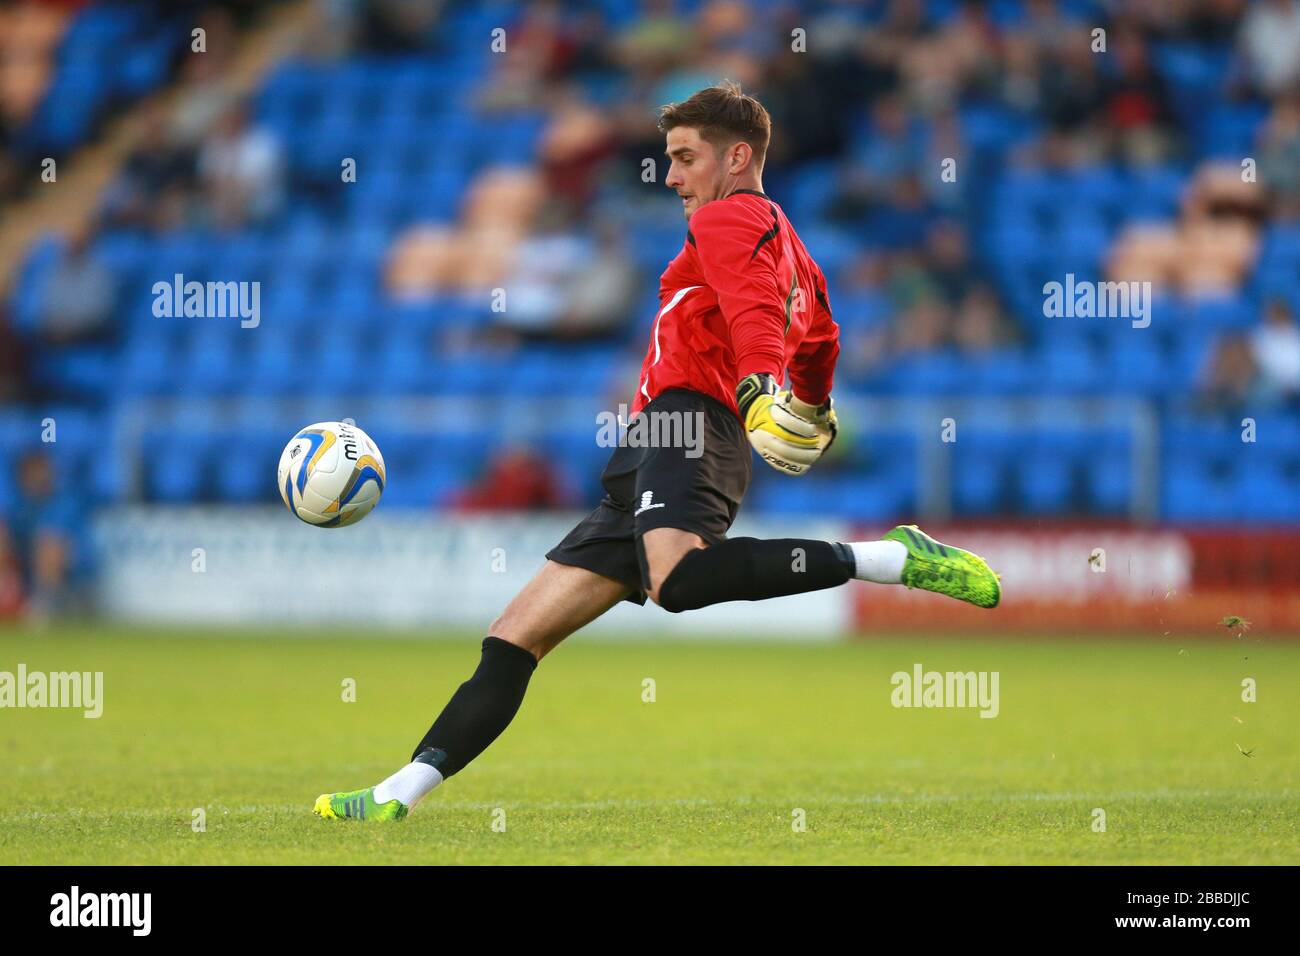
(697, 171)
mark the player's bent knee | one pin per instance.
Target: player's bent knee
(677, 592)
(662, 551)
(655, 595)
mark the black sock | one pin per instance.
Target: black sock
(750, 569)
(480, 709)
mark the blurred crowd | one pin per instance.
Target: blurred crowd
(43, 559)
(29, 35)
(195, 160)
(877, 108)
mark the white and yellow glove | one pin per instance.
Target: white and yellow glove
(789, 434)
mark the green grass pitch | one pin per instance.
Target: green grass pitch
(741, 736)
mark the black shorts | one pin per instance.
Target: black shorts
(696, 484)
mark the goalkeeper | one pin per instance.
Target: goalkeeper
(740, 304)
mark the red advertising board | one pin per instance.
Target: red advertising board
(1064, 580)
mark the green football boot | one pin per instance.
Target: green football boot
(358, 805)
(943, 569)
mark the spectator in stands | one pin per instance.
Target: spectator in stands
(812, 97)
(397, 26)
(9, 171)
(940, 269)
(516, 479)
(13, 360)
(155, 187)
(548, 264)
(422, 263)
(1279, 157)
(893, 150)
(655, 40)
(474, 256)
(694, 74)
(541, 50)
(204, 96)
(43, 533)
(1209, 22)
(946, 147)
(947, 260)
(1071, 85)
(1212, 247)
(902, 217)
(1136, 103)
(11, 581)
(241, 169)
(959, 56)
(1230, 383)
(923, 327)
(1017, 85)
(568, 283)
(602, 305)
(29, 37)
(79, 296)
(1219, 231)
(577, 141)
(867, 272)
(1275, 346)
(1269, 39)
(980, 324)
(885, 47)
(1046, 27)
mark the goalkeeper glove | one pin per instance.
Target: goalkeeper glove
(789, 434)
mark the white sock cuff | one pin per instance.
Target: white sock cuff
(411, 784)
(879, 561)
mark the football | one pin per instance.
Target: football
(331, 474)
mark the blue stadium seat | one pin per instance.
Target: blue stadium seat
(1228, 130)
(979, 483)
(214, 365)
(1267, 494)
(278, 363)
(1222, 313)
(1135, 362)
(1072, 366)
(1194, 488)
(1110, 483)
(1083, 240)
(175, 468)
(937, 373)
(1044, 483)
(1000, 372)
(147, 366)
(403, 363)
(1281, 245)
(249, 476)
(1154, 193)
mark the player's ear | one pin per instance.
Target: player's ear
(740, 156)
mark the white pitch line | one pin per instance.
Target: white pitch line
(737, 802)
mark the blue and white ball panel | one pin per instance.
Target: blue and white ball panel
(331, 474)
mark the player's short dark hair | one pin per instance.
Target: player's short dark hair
(724, 115)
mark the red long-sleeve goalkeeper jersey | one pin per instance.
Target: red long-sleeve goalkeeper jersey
(742, 296)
